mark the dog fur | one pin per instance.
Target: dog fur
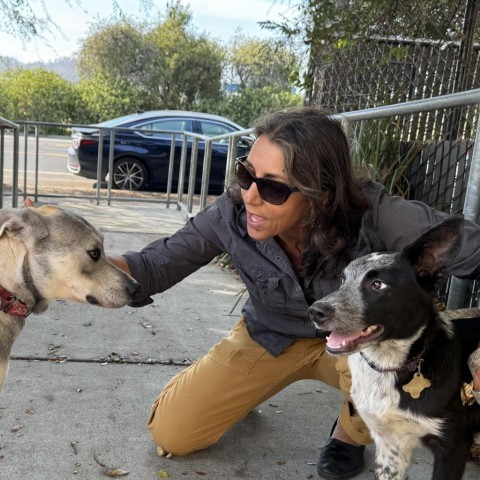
(385, 318)
(49, 253)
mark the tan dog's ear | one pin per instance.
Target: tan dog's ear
(28, 203)
(22, 224)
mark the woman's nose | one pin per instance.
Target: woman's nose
(251, 195)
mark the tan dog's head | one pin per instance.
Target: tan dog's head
(62, 257)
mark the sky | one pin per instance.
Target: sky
(221, 19)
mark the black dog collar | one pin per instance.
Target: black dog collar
(410, 366)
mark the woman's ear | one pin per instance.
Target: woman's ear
(325, 197)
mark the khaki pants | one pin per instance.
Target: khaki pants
(208, 398)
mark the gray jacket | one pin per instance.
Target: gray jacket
(276, 312)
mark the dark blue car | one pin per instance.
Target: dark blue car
(141, 159)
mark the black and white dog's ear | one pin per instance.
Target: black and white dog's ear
(433, 252)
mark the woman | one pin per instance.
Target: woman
(291, 221)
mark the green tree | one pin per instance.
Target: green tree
(164, 64)
(311, 25)
(252, 103)
(193, 63)
(119, 71)
(19, 18)
(256, 63)
(119, 51)
(260, 72)
(36, 95)
(102, 98)
(328, 20)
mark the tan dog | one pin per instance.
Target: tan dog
(49, 253)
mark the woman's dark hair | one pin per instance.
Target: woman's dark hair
(318, 163)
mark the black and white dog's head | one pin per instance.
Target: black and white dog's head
(385, 296)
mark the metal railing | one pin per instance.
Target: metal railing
(466, 173)
(189, 143)
(6, 125)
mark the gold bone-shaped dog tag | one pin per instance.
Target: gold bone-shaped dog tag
(417, 385)
(466, 394)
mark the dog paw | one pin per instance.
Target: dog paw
(475, 453)
(475, 449)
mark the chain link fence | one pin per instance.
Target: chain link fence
(384, 70)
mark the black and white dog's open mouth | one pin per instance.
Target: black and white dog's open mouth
(348, 342)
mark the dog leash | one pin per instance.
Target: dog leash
(12, 306)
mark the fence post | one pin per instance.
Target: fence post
(471, 209)
(16, 147)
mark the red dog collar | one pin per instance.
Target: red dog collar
(11, 305)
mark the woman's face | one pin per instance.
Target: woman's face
(265, 220)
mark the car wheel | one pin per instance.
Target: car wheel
(129, 174)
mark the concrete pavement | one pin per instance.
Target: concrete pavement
(82, 380)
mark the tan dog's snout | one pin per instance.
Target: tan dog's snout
(114, 297)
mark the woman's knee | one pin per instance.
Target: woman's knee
(345, 377)
(174, 431)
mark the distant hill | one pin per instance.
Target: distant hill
(64, 66)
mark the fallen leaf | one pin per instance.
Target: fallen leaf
(200, 473)
(281, 462)
(118, 472)
(162, 474)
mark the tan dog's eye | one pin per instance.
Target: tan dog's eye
(95, 254)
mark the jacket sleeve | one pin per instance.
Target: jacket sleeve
(167, 261)
(400, 222)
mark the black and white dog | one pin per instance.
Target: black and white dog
(408, 363)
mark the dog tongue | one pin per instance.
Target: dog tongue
(336, 339)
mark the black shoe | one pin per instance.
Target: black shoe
(340, 460)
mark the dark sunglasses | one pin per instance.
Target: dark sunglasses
(271, 191)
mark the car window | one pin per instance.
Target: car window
(178, 125)
(212, 129)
